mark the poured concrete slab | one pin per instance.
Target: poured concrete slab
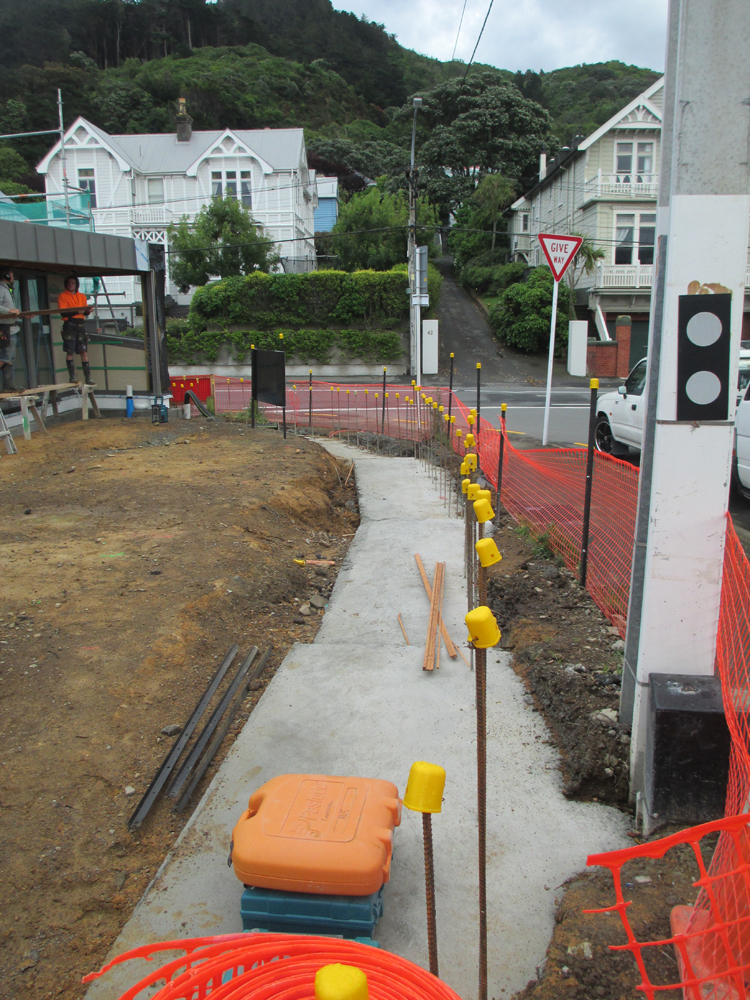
(358, 702)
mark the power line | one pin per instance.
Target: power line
(478, 41)
(459, 31)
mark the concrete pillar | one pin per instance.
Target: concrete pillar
(622, 336)
(704, 205)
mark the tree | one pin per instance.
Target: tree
(12, 169)
(494, 193)
(223, 241)
(378, 221)
(521, 316)
(584, 262)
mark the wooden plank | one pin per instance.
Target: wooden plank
(403, 629)
(432, 645)
(452, 652)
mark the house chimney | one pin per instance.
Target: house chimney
(543, 163)
(184, 122)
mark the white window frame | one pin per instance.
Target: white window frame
(232, 165)
(155, 201)
(84, 186)
(637, 223)
(615, 169)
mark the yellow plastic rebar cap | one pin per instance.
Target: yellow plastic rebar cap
(465, 484)
(470, 440)
(483, 510)
(340, 982)
(470, 419)
(472, 491)
(424, 789)
(463, 470)
(482, 626)
(471, 461)
(484, 495)
(488, 552)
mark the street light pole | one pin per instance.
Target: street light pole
(414, 311)
(63, 160)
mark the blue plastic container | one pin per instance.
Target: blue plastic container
(308, 913)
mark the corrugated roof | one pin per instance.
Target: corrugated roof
(163, 154)
(57, 249)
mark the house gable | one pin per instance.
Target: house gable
(228, 145)
(82, 134)
(640, 113)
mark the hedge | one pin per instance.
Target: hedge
(317, 298)
(190, 346)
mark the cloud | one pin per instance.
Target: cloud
(533, 34)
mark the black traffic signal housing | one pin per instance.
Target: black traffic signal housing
(703, 357)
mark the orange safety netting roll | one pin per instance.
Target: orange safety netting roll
(253, 966)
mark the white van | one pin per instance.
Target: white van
(619, 420)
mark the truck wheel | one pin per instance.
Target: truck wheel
(603, 436)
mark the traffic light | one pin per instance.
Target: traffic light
(703, 357)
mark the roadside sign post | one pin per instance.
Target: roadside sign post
(559, 251)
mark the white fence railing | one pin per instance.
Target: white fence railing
(624, 276)
(631, 185)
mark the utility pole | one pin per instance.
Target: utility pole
(697, 305)
(415, 359)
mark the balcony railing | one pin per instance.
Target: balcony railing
(624, 185)
(624, 276)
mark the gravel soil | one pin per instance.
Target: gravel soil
(133, 557)
(569, 658)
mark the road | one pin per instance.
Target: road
(569, 414)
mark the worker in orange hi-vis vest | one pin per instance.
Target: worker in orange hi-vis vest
(74, 308)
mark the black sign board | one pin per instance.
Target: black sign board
(269, 377)
(703, 357)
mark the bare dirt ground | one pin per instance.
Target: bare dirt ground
(133, 556)
(569, 657)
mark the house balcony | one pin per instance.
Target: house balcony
(630, 187)
(629, 276)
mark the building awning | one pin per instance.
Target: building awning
(49, 248)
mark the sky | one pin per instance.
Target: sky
(526, 34)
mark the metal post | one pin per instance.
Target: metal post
(500, 457)
(63, 160)
(479, 409)
(429, 877)
(548, 392)
(412, 248)
(481, 689)
(28, 336)
(450, 388)
(594, 384)
(309, 411)
(382, 423)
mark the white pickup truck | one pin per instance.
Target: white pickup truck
(619, 419)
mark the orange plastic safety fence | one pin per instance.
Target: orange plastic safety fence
(711, 940)
(273, 967)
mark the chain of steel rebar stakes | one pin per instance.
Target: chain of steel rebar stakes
(429, 879)
(481, 688)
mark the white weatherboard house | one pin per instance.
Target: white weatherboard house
(139, 184)
(605, 186)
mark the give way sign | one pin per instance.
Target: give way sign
(559, 251)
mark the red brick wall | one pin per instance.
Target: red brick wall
(622, 336)
(601, 358)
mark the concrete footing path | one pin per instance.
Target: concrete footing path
(357, 702)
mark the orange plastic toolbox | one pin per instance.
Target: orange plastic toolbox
(316, 833)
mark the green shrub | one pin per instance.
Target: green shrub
(434, 285)
(318, 298)
(521, 317)
(191, 346)
(506, 275)
(478, 278)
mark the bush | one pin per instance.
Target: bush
(191, 346)
(521, 317)
(434, 285)
(478, 278)
(318, 298)
(506, 275)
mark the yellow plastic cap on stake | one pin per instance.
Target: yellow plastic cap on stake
(483, 510)
(441, 409)
(470, 420)
(425, 787)
(465, 484)
(484, 495)
(482, 626)
(453, 418)
(488, 552)
(594, 383)
(479, 364)
(471, 461)
(472, 491)
(340, 982)
(504, 407)
(434, 406)
(463, 469)
(470, 440)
